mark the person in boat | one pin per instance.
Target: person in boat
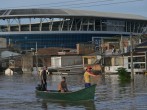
(87, 75)
(62, 87)
(43, 79)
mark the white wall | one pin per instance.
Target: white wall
(65, 61)
(126, 62)
(55, 61)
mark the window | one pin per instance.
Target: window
(137, 59)
(137, 66)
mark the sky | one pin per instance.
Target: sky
(137, 7)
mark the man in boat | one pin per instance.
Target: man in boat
(62, 87)
(87, 75)
(43, 79)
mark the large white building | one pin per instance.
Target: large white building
(65, 27)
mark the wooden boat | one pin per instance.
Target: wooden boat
(80, 95)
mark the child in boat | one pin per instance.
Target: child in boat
(62, 87)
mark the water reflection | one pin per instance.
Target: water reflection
(18, 93)
(87, 105)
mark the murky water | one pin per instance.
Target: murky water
(18, 93)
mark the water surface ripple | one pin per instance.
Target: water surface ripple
(18, 93)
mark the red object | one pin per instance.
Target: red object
(89, 67)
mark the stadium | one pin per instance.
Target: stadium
(65, 27)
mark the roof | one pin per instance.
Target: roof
(50, 51)
(94, 54)
(140, 49)
(10, 13)
(6, 54)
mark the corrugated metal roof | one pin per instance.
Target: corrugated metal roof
(6, 54)
(65, 12)
(105, 14)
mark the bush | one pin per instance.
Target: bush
(123, 74)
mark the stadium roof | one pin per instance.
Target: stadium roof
(24, 13)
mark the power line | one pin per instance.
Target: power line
(58, 4)
(113, 3)
(81, 3)
(52, 3)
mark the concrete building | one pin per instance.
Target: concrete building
(66, 60)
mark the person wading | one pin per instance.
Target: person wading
(87, 75)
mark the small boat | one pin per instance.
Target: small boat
(85, 94)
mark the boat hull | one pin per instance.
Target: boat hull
(80, 95)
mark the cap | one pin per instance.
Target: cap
(89, 67)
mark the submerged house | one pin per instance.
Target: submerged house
(67, 63)
(114, 61)
(93, 60)
(139, 62)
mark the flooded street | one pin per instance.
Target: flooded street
(18, 93)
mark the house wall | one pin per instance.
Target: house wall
(55, 61)
(87, 60)
(65, 61)
(85, 48)
(27, 62)
(139, 66)
(3, 43)
(71, 60)
(116, 62)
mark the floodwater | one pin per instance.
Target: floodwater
(18, 93)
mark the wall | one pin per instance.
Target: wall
(27, 62)
(55, 61)
(85, 48)
(62, 61)
(71, 60)
(3, 43)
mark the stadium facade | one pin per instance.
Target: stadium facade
(64, 27)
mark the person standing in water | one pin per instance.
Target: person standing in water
(87, 75)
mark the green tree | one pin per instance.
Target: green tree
(124, 76)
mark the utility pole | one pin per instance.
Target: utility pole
(36, 59)
(131, 54)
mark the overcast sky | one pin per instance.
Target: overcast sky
(138, 7)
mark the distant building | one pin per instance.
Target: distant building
(10, 59)
(66, 60)
(64, 27)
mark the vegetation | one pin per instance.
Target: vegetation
(124, 76)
